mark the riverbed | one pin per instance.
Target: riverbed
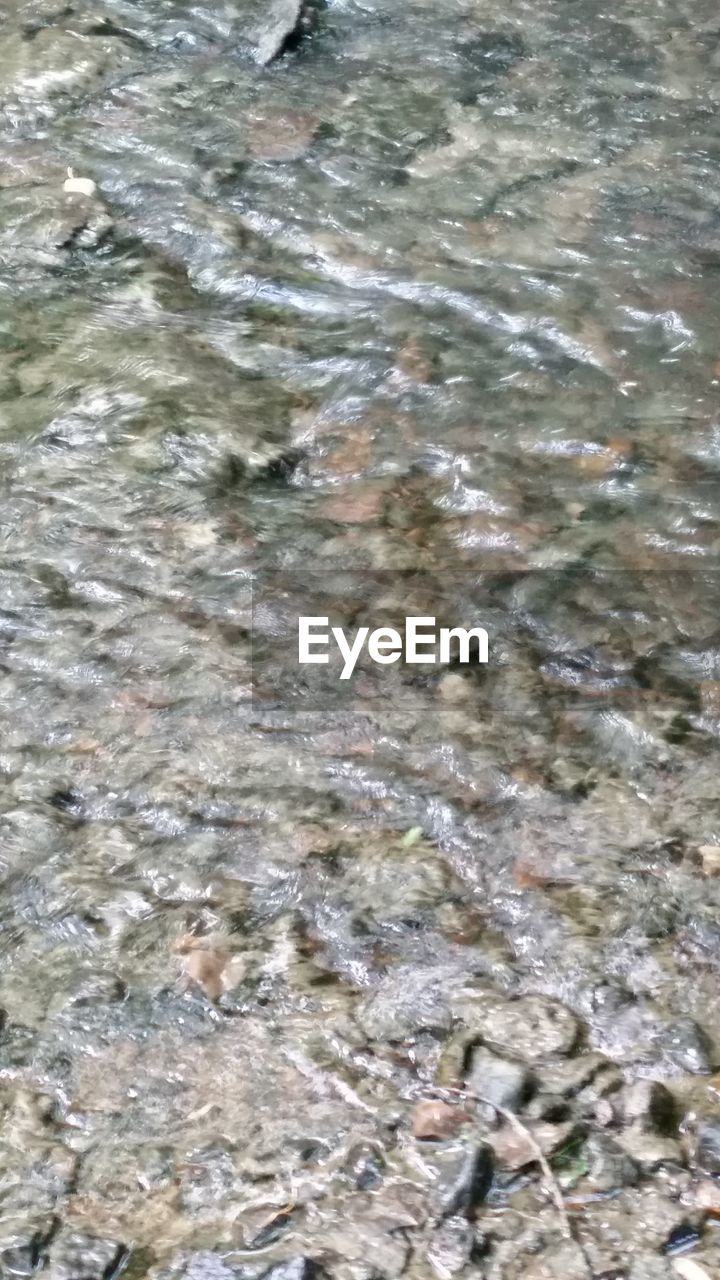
(370, 311)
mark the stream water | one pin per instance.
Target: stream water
(422, 317)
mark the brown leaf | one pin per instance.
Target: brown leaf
(436, 1120)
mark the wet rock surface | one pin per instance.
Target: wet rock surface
(364, 309)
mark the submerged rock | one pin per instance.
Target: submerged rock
(708, 1146)
(282, 21)
(506, 1084)
(451, 1246)
(530, 1028)
(464, 1177)
(406, 1001)
(74, 1256)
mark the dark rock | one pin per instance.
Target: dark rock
(507, 1084)
(465, 1175)
(681, 1240)
(98, 987)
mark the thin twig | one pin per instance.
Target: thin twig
(511, 1119)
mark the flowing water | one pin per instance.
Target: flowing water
(421, 317)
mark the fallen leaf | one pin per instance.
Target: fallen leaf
(436, 1120)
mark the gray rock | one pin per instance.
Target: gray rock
(685, 1048)
(464, 1177)
(530, 1027)
(205, 1265)
(564, 1260)
(406, 1001)
(505, 1083)
(649, 1267)
(281, 20)
(609, 1166)
(649, 1149)
(450, 1247)
(294, 1269)
(708, 1146)
(568, 1076)
(650, 1103)
(73, 1256)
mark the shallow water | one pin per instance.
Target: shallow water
(420, 317)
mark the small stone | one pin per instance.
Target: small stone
(706, 1196)
(436, 1120)
(650, 1102)
(529, 1027)
(281, 20)
(710, 859)
(514, 1150)
(453, 689)
(648, 1149)
(564, 1260)
(451, 1246)
(294, 1269)
(74, 1256)
(79, 186)
(464, 1177)
(608, 1166)
(707, 1152)
(688, 1269)
(506, 1084)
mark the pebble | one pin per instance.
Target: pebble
(504, 1083)
(79, 186)
(451, 1246)
(708, 1146)
(464, 1177)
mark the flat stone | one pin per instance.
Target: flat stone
(530, 1027)
(505, 1083)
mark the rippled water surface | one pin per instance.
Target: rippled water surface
(419, 316)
